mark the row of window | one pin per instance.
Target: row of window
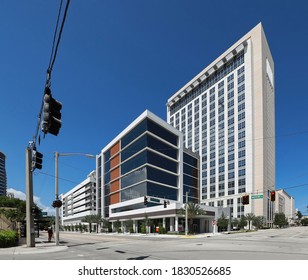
(210, 81)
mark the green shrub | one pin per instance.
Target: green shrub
(8, 238)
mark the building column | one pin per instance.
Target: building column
(135, 227)
(164, 223)
(176, 223)
(171, 223)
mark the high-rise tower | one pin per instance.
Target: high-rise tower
(227, 114)
(2, 174)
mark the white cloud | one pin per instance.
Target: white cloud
(21, 195)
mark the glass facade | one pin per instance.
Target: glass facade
(147, 163)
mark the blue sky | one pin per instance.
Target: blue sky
(118, 58)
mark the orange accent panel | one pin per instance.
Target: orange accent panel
(115, 149)
(115, 161)
(115, 198)
(115, 186)
(114, 174)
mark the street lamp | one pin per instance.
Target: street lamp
(57, 187)
(186, 215)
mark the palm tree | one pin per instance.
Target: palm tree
(97, 219)
(193, 210)
(250, 217)
(89, 219)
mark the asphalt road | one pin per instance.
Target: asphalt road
(273, 244)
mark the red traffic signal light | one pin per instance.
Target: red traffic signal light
(245, 199)
(273, 196)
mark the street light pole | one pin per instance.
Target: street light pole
(57, 197)
(186, 215)
(57, 187)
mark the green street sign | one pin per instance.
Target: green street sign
(154, 200)
(257, 196)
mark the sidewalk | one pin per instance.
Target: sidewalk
(41, 246)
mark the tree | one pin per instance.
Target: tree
(97, 219)
(93, 219)
(258, 221)
(145, 224)
(193, 210)
(299, 217)
(14, 209)
(222, 222)
(280, 220)
(106, 225)
(88, 219)
(129, 225)
(243, 222)
(304, 222)
(250, 217)
(117, 225)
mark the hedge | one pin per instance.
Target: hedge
(8, 238)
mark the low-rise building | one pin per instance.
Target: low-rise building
(79, 201)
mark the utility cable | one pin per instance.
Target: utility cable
(54, 51)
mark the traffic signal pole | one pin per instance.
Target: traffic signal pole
(57, 197)
(29, 199)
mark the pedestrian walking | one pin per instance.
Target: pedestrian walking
(50, 234)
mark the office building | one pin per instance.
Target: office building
(145, 173)
(284, 203)
(3, 185)
(227, 114)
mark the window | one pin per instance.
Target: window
(230, 121)
(241, 116)
(230, 166)
(241, 163)
(242, 172)
(231, 175)
(242, 182)
(241, 135)
(241, 125)
(241, 107)
(241, 144)
(241, 154)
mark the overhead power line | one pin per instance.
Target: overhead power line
(53, 56)
(55, 47)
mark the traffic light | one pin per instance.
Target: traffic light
(56, 203)
(273, 196)
(145, 200)
(165, 204)
(245, 199)
(51, 114)
(37, 159)
(35, 210)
